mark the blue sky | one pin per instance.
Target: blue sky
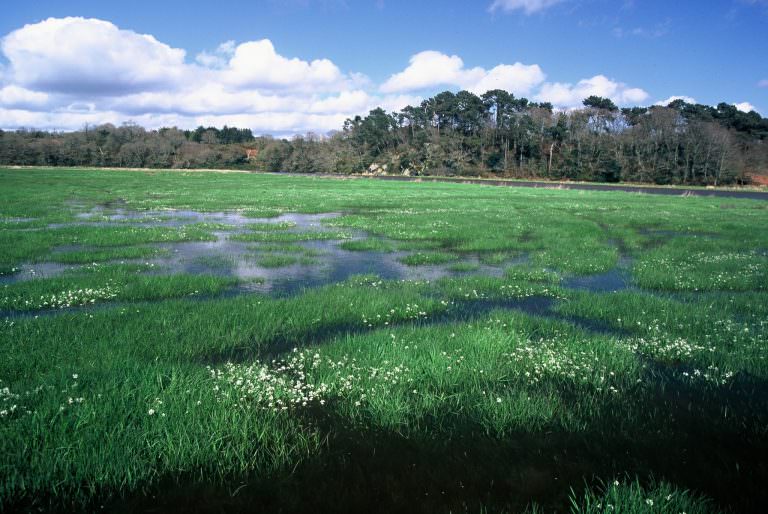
(286, 66)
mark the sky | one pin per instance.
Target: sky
(283, 67)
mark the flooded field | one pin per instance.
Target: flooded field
(268, 267)
(243, 340)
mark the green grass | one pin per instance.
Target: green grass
(463, 394)
(496, 258)
(422, 258)
(367, 245)
(109, 283)
(632, 497)
(463, 267)
(281, 261)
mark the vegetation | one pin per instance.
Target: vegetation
(494, 134)
(125, 386)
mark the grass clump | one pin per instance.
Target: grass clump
(631, 497)
(367, 245)
(106, 284)
(497, 258)
(278, 261)
(424, 258)
(463, 267)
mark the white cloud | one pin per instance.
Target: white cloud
(431, 69)
(63, 73)
(527, 6)
(255, 64)
(516, 78)
(346, 101)
(427, 69)
(88, 56)
(18, 97)
(219, 57)
(569, 95)
(745, 107)
(671, 99)
(261, 123)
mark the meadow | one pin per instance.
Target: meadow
(201, 341)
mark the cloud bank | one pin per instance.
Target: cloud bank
(63, 73)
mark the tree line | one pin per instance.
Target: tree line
(455, 134)
(127, 146)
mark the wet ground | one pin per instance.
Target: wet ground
(315, 262)
(617, 279)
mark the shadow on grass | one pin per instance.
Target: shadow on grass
(679, 433)
(457, 467)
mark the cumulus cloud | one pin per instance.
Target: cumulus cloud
(219, 57)
(686, 99)
(526, 6)
(256, 64)
(431, 69)
(63, 73)
(744, 107)
(18, 97)
(78, 55)
(570, 95)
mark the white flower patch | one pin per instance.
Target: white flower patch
(668, 349)
(745, 270)
(546, 359)
(711, 374)
(64, 299)
(303, 380)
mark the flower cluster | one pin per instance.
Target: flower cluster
(668, 349)
(303, 379)
(547, 358)
(64, 299)
(156, 408)
(15, 404)
(8, 402)
(711, 374)
(278, 387)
